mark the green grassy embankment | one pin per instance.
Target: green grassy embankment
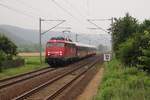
(123, 83)
(31, 63)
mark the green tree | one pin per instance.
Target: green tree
(136, 51)
(132, 41)
(145, 26)
(125, 52)
(8, 47)
(144, 58)
(2, 58)
(129, 51)
(122, 29)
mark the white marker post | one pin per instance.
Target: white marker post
(107, 57)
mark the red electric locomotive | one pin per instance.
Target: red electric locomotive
(61, 50)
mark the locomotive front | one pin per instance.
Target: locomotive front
(54, 52)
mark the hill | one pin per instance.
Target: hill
(21, 36)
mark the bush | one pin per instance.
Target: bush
(144, 58)
(2, 58)
(126, 52)
(13, 63)
(8, 47)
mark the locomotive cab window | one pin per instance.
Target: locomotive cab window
(55, 45)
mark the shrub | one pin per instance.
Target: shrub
(8, 47)
(126, 52)
(2, 58)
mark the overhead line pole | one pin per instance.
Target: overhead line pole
(41, 33)
(112, 42)
(40, 40)
(89, 41)
(92, 22)
(76, 37)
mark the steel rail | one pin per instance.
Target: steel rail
(24, 77)
(58, 92)
(6, 79)
(28, 93)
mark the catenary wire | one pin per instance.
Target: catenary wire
(16, 10)
(62, 8)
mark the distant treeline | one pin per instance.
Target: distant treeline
(131, 41)
(103, 48)
(29, 48)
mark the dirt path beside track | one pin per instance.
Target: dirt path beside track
(91, 90)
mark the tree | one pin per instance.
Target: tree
(144, 58)
(135, 51)
(2, 58)
(129, 51)
(122, 29)
(131, 41)
(145, 26)
(8, 47)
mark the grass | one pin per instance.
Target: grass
(123, 83)
(31, 63)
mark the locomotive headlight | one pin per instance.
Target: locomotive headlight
(60, 53)
(48, 53)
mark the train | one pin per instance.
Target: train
(61, 50)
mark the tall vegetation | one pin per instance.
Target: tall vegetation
(123, 83)
(7, 49)
(131, 41)
(121, 80)
(123, 28)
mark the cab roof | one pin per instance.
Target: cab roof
(60, 41)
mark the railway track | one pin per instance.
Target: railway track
(54, 87)
(59, 91)
(13, 87)
(22, 77)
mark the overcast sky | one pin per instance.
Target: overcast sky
(75, 12)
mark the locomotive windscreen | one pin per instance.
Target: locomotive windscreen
(55, 45)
